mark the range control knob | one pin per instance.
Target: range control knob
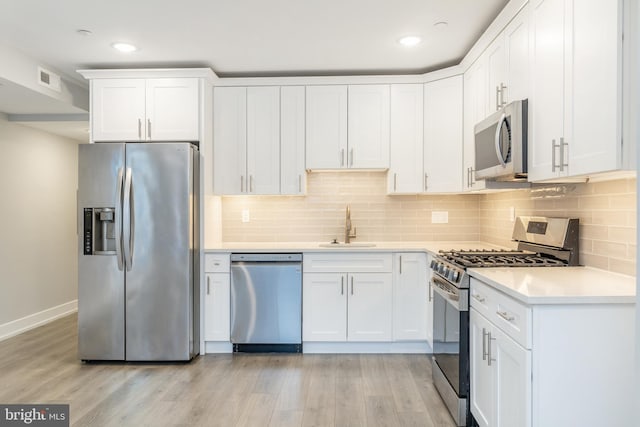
(455, 276)
(434, 263)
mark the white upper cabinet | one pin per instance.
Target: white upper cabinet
(128, 109)
(229, 140)
(368, 127)
(475, 107)
(326, 131)
(406, 145)
(576, 101)
(517, 58)
(263, 140)
(494, 58)
(292, 140)
(347, 127)
(443, 135)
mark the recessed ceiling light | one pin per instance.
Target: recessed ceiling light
(84, 32)
(409, 41)
(124, 47)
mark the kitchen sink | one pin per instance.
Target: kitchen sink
(347, 245)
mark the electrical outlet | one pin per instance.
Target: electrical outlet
(439, 217)
(245, 215)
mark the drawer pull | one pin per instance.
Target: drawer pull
(506, 316)
(479, 298)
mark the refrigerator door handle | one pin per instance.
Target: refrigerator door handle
(118, 221)
(128, 227)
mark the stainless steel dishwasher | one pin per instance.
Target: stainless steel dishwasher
(266, 302)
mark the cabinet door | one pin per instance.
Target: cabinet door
(546, 104)
(229, 140)
(292, 170)
(495, 57)
(217, 301)
(410, 297)
(429, 304)
(263, 140)
(117, 109)
(516, 45)
(443, 135)
(512, 381)
(592, 126)
(324, 307)
(474, 111)
(405, 153)
(368, 126)
(172, 110)
(326, 118)
(481, 377)
(370, 307)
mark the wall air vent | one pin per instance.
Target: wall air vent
(48, 79)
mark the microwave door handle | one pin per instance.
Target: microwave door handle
(503, 118)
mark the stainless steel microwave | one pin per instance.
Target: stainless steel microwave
(501, 144)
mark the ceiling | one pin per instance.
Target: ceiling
(234, 38)
(248, 37)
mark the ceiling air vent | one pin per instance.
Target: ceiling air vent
(48, 79)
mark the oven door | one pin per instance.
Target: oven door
(451, 344)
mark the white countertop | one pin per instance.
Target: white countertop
(560, 285)
(269, 247)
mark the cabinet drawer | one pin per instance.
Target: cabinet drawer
(216, 263)
(348, 262)
(512, 317)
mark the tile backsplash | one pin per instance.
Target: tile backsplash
(607, 213)
(320, 215)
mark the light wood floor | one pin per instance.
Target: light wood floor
(40, 366)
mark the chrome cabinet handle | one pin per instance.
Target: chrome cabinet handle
(471, 172)
(395, 181)
(562, 163)
(468, 178)
(242, 183)
(299, 183)
(342, 158)
(351, 162)
(489, 339)
(484, 344)
(502, 88)
(351, 285)
(429, 290)
(208, 285)
(400, 264)
(497, 98)
(426, 178)
(553, 155)
(506, 316)
(342, 285)
(250, 183)
(148, 128)
(478, 297)
(139, 128)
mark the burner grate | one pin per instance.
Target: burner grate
(499, 258)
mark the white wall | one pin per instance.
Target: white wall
(38, 259)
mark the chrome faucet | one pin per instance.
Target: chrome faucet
(348, 232)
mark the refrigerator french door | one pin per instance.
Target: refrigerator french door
(138, 227)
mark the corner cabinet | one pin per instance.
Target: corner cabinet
(347, 297)
(351, 134)
(576, 126)
(259, 140)
(139, 109)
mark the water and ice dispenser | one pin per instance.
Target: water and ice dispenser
(99, 231)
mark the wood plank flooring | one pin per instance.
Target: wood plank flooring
(40, 366)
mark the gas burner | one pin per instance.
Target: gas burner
(498, 258)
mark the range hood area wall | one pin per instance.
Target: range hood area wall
(607, 212)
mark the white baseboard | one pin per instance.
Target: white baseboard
(400, 347)
(18, 326)
(212, 347)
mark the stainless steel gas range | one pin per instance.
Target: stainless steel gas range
(542, 242)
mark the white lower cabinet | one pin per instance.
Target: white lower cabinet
(341, 307)
(500, 376)
(411, 297)
(217, 303)
(347, 297)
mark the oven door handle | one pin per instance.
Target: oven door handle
(453, 298)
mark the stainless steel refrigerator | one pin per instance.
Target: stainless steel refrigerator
(138, 266)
